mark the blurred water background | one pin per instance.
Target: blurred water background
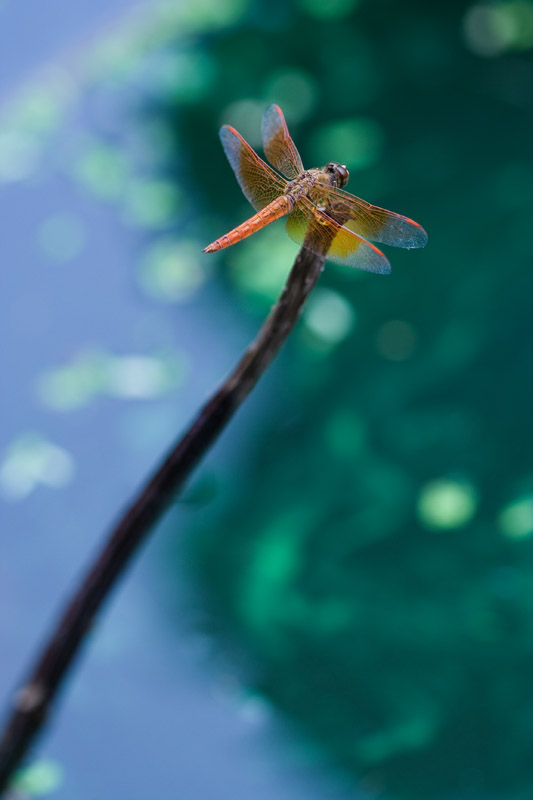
(340, 605)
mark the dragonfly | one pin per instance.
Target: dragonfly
(321, 215)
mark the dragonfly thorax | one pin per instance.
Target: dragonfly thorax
(302, 184)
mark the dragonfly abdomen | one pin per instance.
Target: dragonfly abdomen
(273, 211)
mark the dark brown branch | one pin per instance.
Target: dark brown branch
(35, 698)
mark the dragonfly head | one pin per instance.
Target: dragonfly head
(338, 174)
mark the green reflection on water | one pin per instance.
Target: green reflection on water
(152, 203)
(40, 778)
(516, 519)
(96, 373)
(271, 252)
(444, 504)
(329, 316)
(31, 460)
(172, 269)
(102, 169)
(356, 142)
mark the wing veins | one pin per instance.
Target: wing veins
(375, 223)
(278, 145)
(313, 228)
(258, 181)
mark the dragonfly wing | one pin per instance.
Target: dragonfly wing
(309, 226)
(278, 145)
(373, 222)
(259, 183)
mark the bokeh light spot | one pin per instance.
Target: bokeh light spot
(74, 385)
(267, 585)
(40, 106)
(19, 155)
(143, 377)
(446, 504)
(152, 204)
(96, 373)
(32, 460)
(40, 778)
(494, 28)
(329, 316)
(245, 116)
(206, 15)
(102, 169)
(295, 91)
(171, 270)
(488, 31)
(260, 265)
(396, 340)
(185, 75)
(61, 237)
(358, 143)
(516, 519)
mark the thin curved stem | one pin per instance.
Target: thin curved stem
(36, 695)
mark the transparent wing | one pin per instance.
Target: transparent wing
(373, 222)
(308, 225)
(278, 145)
(259, 183)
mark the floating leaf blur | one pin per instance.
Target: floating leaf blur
(152, 203)
(329, 316)
(31, 461)
(97, 373)
(102, 168)
(172, 269)
(516, 519)
(40, 778)
(295, 91)
(493, 28)
(356, 142)
(446, 503)
(269, 250)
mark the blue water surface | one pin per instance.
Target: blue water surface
(149, 711)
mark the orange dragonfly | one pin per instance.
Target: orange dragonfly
(321, 216)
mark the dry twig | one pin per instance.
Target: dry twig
(36, 695)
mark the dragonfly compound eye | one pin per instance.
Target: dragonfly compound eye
(340, 172)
